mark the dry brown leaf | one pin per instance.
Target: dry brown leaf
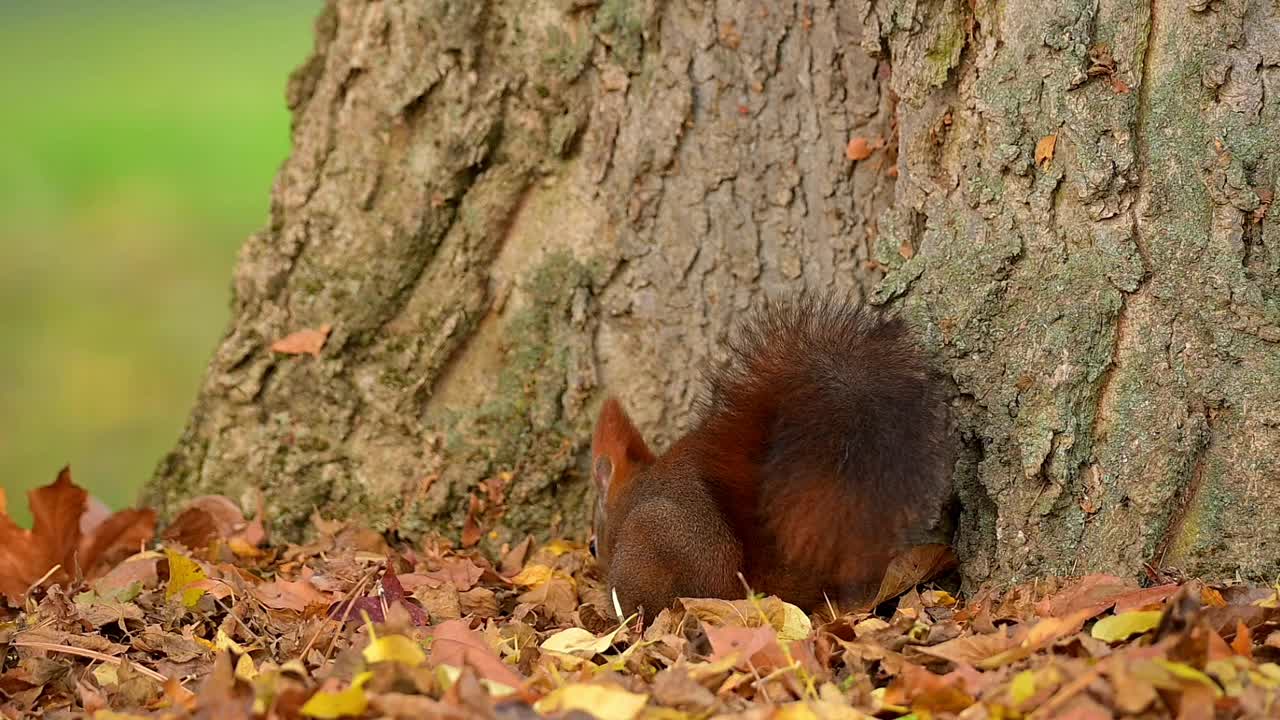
(971, 649)
(115, 539)
(1044, 150)
(455, 643)
(142, 569)
(295, 595)
(460, 571)
(303, 342)
(1145, 599)
(917, 565)
(1094, 592)
(204, 520)
(55, 538)
(1242, 645)
(858, 149)
(471, 532)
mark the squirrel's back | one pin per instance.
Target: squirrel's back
(825, 439)
(819, 454)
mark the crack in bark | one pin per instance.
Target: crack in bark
(1186, 496)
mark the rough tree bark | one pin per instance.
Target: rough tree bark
(505, 207)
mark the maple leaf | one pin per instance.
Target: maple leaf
(57, 541)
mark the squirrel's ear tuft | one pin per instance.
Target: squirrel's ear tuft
(617, 449)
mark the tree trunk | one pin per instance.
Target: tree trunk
(505, 208)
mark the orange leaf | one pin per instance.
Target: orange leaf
(1242, 645)
(1044, 150)
(1146, 598)
(66, 535)
(858, 149)
(471, 532)
(455, 643)
(1096, 592)
(302, 342)
(204, 520)
(296, 595)
(118, 537)
(26, 555)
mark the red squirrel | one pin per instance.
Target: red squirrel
(819, 453)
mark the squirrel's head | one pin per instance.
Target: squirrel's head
(618, 455)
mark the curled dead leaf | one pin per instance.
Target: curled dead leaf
(303, 342)
(1044, 150)
(858, 149)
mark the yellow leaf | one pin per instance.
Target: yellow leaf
(183, 572)
(245, 669)
(558, 547)
(578, 642)
(395, 648)
(1267, 675)
(1182, 671)
(107, 675)
(938, 598)
(1022, 687)
(606, 702)
(223, 641)
(818, 710)
(112, 715)
(532, 575)
(343, 703)
(795, 624)
(1125, 625)
(243, 549)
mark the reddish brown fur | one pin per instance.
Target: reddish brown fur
(819, 454)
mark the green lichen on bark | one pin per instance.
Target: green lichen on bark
(521, 435)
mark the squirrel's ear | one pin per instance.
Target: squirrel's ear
(617, 449)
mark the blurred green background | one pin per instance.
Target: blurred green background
(138, 143)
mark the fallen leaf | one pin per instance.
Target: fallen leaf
(918, 564)
(57, 540)
(796, 625)
(1145, 599)
(455, 643)
(126, 580)
(394, 648)
(116, 538)
(471, 532)
(858, 149)
(184, 576)
(460, 571)
(1044, 150)
(26, 555)
(303, 342)
(1242, 645)
(1122, 627)
(971, 649)
(348, 702)
(295, 595)
(1093, 592)
(606, 702)
(752, 646)
(204, 520)
(579, 643)
(389, 592)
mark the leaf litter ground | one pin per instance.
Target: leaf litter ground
(212, 620)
